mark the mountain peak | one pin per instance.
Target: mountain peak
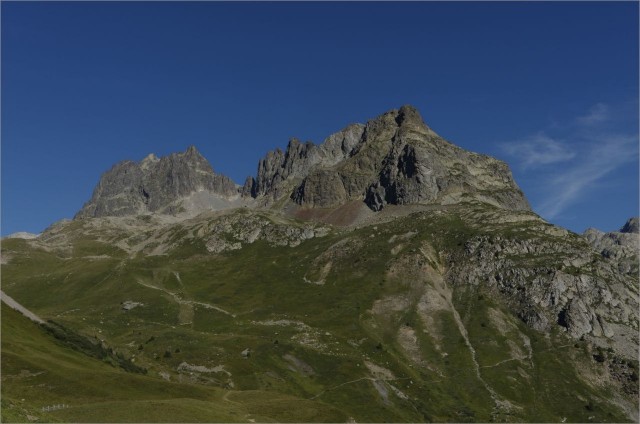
(155, 185)
(149, 160)
(631, 226)
(151, 157)
(192, 151)
(394, 158)
(408, 113)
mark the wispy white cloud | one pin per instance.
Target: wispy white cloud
(598, 114)
(574, 166)
(600, 159)
(538, 149)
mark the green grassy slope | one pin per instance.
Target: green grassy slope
(39, 371)
(356, 345)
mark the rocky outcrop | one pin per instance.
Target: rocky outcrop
(618, 247)
(155, 185)
(393, 159)
(278, 167)
(631, 226)
(233, 231)
(23, 235)
(553, 280)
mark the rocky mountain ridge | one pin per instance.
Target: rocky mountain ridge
(158, 185)
(394, 159)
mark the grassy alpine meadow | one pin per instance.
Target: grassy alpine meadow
(356, 325)
(44, 379)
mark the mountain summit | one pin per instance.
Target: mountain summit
(394, 159)
(155, 185)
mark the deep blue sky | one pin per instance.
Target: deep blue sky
(552, 88)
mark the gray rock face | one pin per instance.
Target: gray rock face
(277, 167)
(631, 226)
(393, 159)
(154, 185)
(247, 188)
(553, 280)
(233, 231)
(323, 188)
(618, 247)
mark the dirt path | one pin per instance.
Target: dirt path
(8, 300)
(186, 304)
(226, 398)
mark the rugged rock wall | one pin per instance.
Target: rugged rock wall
(154, 185)
(619, 247)
(300, 158)
(554, 280)
(393, 159)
